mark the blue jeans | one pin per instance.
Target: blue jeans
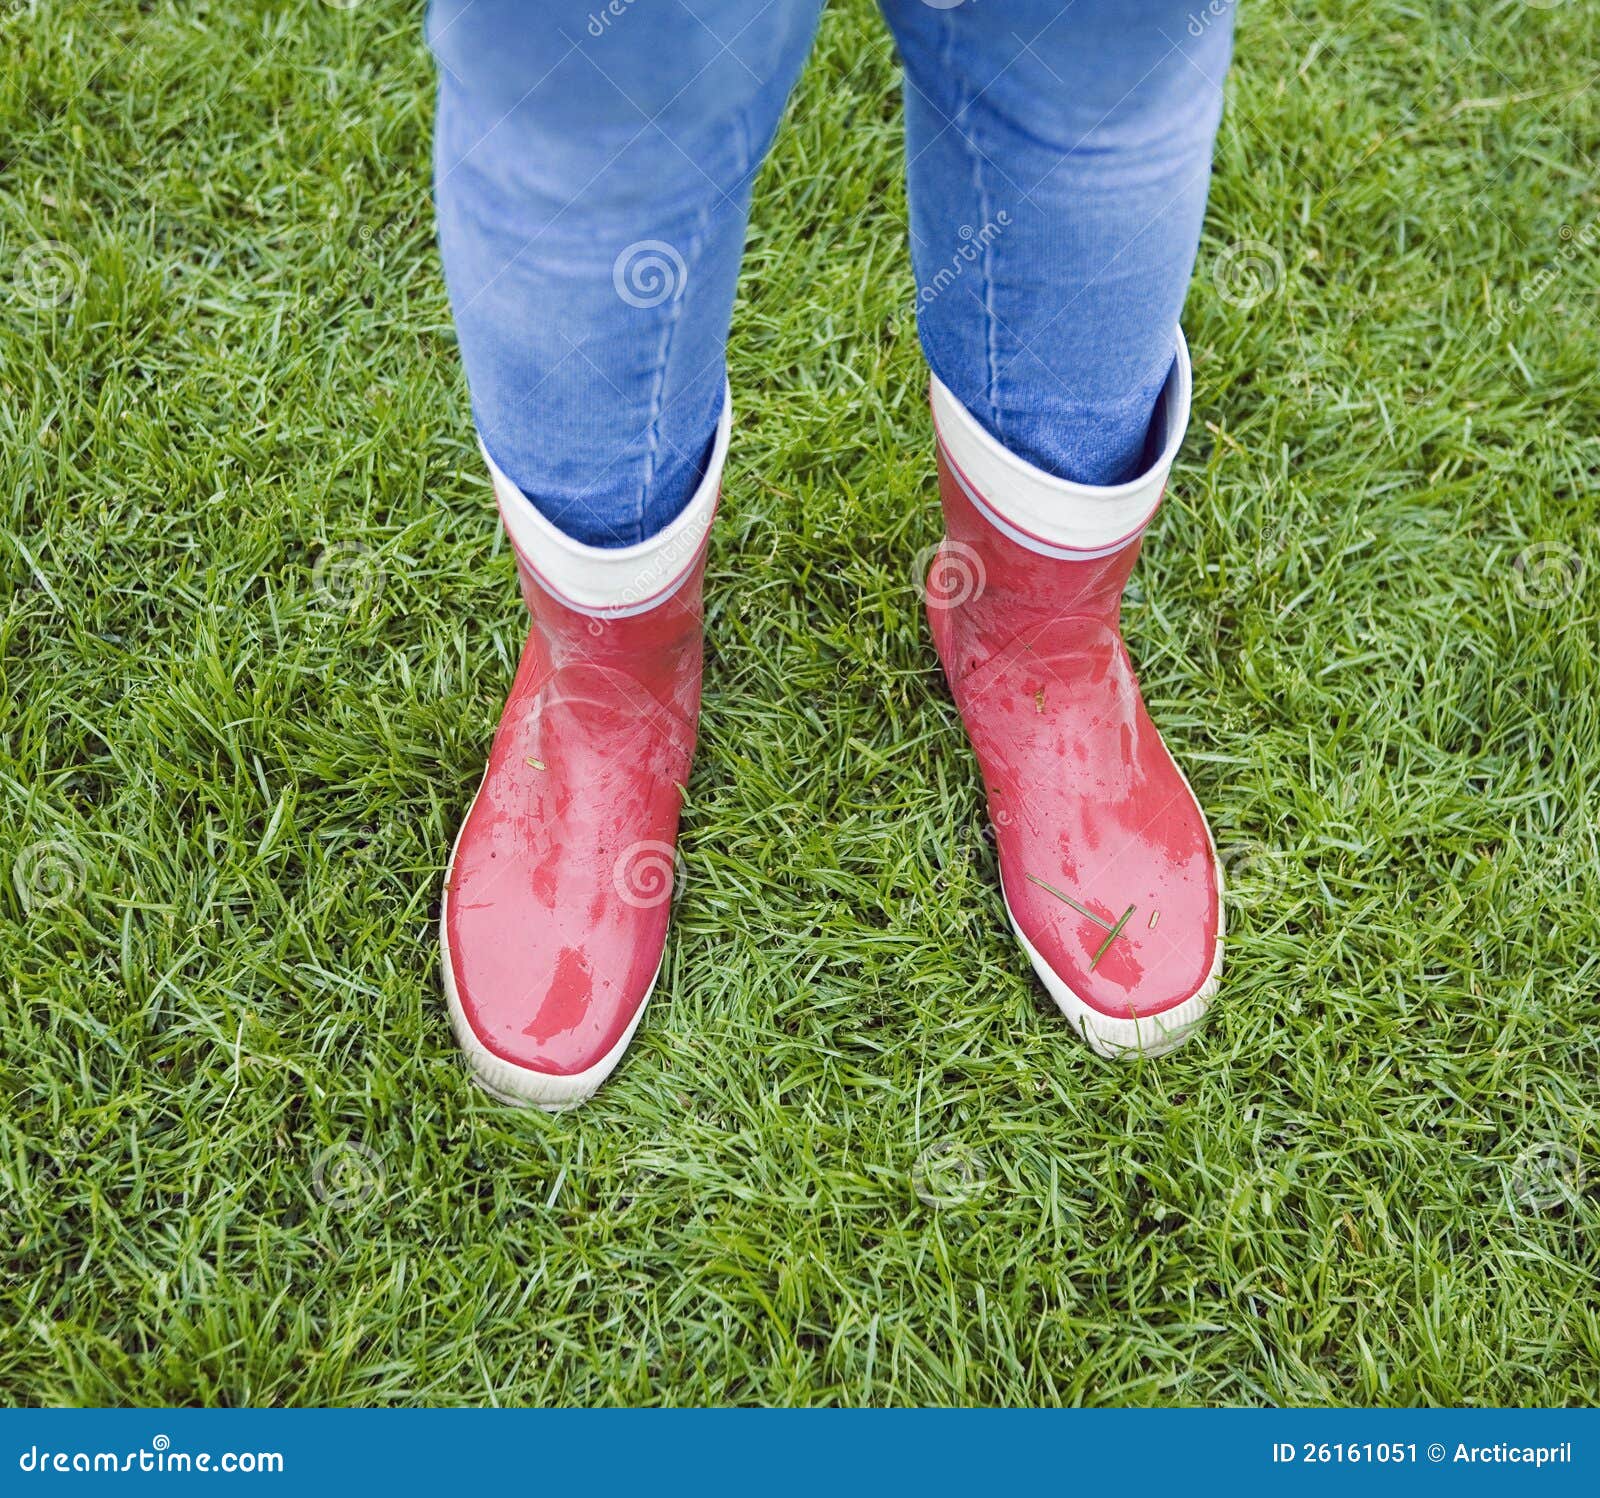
(594, 160)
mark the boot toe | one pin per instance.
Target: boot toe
(553, 928)
(1153, 1031)
(548, 1037)
(1135, 981)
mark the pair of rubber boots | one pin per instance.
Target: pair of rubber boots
(559, 890)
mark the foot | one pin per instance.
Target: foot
(554, 916)
(557, 896)
(1107, 866)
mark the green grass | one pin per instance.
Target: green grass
(258, 622)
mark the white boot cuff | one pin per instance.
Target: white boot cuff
(1051, 515)
(614, 580)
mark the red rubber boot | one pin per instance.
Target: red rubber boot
(556, 901)
(1106, 863)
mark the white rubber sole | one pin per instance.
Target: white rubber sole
(1118, 1039)
(521, 1086)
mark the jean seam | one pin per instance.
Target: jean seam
(696, 244)
(652, 436)
(658, 389)
(967, 116)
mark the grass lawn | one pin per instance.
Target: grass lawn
(257, 622)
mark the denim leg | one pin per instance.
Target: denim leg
(1058, 158)
(593, 163)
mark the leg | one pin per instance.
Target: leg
(1058, 161)
(593, 169)
(594, 172)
